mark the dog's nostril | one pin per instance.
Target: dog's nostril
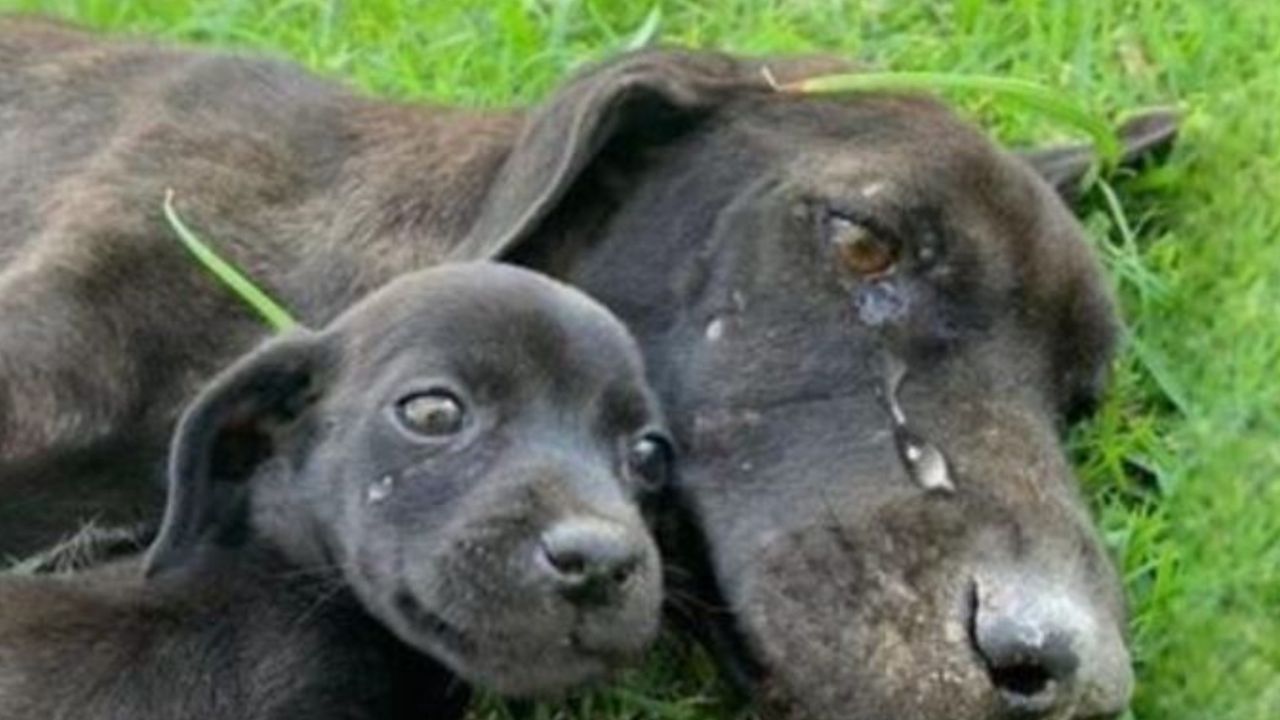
(589, 559)
(1029, 656)
(1022, 679)
(1047, 647)
(1028, 646)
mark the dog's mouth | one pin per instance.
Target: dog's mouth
(447, 637)
(451, 639)
(514, 667)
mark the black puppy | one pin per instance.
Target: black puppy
(444, 480)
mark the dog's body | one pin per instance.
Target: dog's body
(105, 645)
(109, 327)
(769, 250)
(444, 481)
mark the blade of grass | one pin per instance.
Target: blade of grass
(228, 274)
(1038, 97)
(648, 30)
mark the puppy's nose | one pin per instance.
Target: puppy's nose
(1045, 650)
(590, 559)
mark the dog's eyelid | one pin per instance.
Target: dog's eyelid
(867, 217)
(433, 383)
(623, 410)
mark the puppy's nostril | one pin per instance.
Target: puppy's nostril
(589, 559)
(570, 564)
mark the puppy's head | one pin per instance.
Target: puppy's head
(469, 445)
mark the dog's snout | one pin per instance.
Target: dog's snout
(1045, 650)
(1030, 663)
(590, 559)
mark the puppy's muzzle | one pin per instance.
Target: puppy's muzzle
(591, 561)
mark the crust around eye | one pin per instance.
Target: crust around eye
(860, 249)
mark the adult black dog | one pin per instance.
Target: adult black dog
(868, 325)
(452, 468)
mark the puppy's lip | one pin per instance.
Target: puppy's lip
(576, 663)
(609, 655)
(451, 639)
(589, 639)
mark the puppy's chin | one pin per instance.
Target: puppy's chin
(541, 657)
(496, 620)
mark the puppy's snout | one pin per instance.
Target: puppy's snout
(590, 559)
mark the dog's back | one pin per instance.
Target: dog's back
(320, 194)
(93, 128)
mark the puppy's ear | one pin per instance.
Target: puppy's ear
(634, 100)
(245, 417)
(1142, 137)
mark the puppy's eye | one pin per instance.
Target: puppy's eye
(649, 461)
(859, 248)
(435, 413)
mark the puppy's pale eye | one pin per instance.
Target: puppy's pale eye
(859, 248)
(435, 413)
(649, 460)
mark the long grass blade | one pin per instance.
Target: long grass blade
(228, 274)
(1046, 100)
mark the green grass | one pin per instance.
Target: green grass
(1182, 464)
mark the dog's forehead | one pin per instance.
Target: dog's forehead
(869, 144)
(910, 156)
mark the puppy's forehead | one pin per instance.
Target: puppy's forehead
(484, 315)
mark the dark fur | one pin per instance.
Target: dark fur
(280, 588)
(686, 194)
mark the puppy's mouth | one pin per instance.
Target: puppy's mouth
(581, 644)
(559, 664)
(448, 638)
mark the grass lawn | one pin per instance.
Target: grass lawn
(1182, 464)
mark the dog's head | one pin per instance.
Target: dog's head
(469, 446)
(869, 325)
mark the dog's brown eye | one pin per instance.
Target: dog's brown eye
(649, 461)
(860, 249)
(435, 413)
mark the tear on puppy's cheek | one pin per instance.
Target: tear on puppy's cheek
(881, 303)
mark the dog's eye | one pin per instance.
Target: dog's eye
(859, 248)
(435, 413)
(649, 460)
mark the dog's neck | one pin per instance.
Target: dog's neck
(410, 181)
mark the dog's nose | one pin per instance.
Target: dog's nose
(589, 559)
(1030, 663)
(1045, 650)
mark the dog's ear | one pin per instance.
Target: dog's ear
(1142, 137)
(641, 97)
(244, 418)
